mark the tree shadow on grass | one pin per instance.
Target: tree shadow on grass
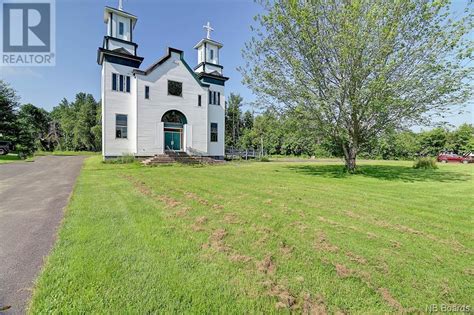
(383, 172)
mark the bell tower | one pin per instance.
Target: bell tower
(208, 54)
(118, 46)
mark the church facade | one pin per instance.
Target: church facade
(168, 106)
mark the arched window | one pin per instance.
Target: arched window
(174, 118)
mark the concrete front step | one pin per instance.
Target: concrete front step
(179, 157)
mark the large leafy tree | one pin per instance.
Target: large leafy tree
(32, 126)
(361, 67)
(8, 109)
(233, 119)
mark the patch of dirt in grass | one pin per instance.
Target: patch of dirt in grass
(342, 271)
(216, 241)
(385, 293)
(313, 305)
(231, 218)
(371, 235)
(265, 232)
(328, 221)
(240, 258)
(382, 266)
(198, 224)
(351, 214)
(300, 226)
(395, 244)
(286, 249)
(169, 202)
(195, 197)
(267, 265)
(147, 191)
(323, 244)
(183, 211)
(285, 298)
(469, 272)
(356, 258)
(268, 202)
(266, 216)
(217, 208)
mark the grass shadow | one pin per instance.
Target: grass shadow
(383, 172)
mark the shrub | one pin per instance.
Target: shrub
(264, 159)
(425, 163)
(124, 159)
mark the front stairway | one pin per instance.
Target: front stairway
(179, 157)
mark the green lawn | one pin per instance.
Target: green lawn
(9, 158)
(262, 237)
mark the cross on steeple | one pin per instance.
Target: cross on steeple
(209, 29)
(120, 6)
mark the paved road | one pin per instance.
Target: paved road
(32, 199)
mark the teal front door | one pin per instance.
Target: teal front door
(173, 140)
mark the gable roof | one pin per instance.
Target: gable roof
(162, 60)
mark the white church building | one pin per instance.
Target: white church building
(167, 107)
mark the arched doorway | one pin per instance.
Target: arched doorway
(174, 122)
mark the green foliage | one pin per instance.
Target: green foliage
(360, 68)
(8, 109)
(32, 125)
(425, 163)
(79, 124)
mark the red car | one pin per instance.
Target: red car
(451, 157)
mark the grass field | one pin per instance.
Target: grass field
(9, 158)
(262, 237)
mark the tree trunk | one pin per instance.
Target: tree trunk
(350, 154)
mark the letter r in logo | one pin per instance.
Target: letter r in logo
(26, 27)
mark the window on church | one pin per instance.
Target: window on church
(147, 92)
(120, 28)
(114, 82)
(199, 100)
(210, 97)
(121, 126)
(212, 54)
(175, 88)
(121, 83)
(218, 98)
(128, 84)
(213, 132)
(214, 98)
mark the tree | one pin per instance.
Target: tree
(360, 67)
(8, 107)
(32, 126)
(434, 141)
(233, 120)
(461, 140)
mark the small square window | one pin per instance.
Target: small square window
(147, 92)
(120, 28)
(213, 132)
(175, 88)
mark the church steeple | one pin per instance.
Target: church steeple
(208, 53)
(118, 46)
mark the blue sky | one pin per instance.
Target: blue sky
(161, 23)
